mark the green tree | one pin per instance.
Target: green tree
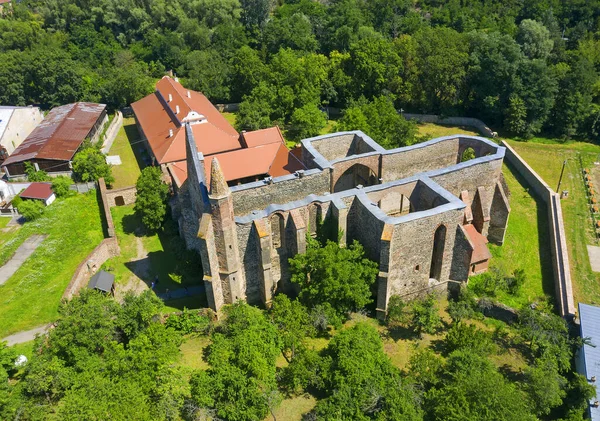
(380, 120)
(471, 389)
(516, 113)
(241, 377)
(89, 164)
(293, 323)
(467, 337)
(396, 310)
(361, 383)
(60, 186)
(546, 387)
(151, 198)
(255, 12)
(340, 277)
(31, 209)
(535, 39)
(306, 122)
(424, 314)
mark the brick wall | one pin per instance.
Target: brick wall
(120, 197)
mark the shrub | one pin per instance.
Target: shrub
(189, 322)
(467, 337)
(60, 186)
(425, 317)
(33, 175)
(396, 311)
(31, 209)
(89, 164)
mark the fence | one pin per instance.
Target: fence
(83, 187)
(112, 131)
(558, 243)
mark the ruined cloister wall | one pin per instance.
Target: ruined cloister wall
(406, 162)
(259, 195)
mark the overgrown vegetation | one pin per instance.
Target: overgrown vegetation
(89, 164)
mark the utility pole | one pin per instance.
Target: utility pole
(561, 175)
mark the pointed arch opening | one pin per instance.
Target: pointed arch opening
(437, 255)
(353, 176)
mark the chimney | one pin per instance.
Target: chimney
(188, 94)
(170, 97)
(177, 109)
(170, 132)
(593, 379)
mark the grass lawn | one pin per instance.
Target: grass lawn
(230, 117)
(431, 131)
(546, 157)
(128, 172)
(526, 244)
(31, 296)
(145, 256)
(4, 221)
(25, 348)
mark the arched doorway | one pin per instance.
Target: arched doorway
(119, 201)
(353, 176)
(437, 256)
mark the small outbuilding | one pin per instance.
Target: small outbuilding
(103, 281)
(480, 256)
(39, 191)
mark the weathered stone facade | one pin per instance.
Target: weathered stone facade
(407, 207)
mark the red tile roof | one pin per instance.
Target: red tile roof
(262, 137)
(480, 252)
(254, 153)
(37, 191)
(157, 115)
(60, 133)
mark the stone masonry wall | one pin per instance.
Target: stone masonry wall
(395, 166)
(108, 248)
(280, 192)
(127, 194)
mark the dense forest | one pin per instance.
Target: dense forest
(524, 67)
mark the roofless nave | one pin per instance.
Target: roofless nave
(419, 211)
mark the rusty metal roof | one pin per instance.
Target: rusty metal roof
(60, 134)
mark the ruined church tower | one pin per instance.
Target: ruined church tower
(225, 244)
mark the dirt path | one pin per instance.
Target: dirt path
(26, 336)
(23, 252)
(142, 268)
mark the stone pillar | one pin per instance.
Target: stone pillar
(225, 232)
(383, 284)
(298, 245)
(340, 213)
(264, 243)
(210, 265)
(499, 212)
(481, 213)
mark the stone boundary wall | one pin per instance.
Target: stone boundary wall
(558, 244)
(126, 193)
(105, 250)
(112, 131)
(228, 108)
(452, 121)
(110, 225)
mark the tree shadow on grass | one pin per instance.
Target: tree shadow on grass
(131, 224)
(139, 149)
(543, 234)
